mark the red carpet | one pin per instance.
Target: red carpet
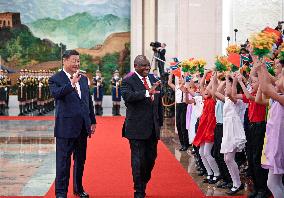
(108, 172)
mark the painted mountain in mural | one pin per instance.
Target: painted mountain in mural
(81, 30)
(32, 10)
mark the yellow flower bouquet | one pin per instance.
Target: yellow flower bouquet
(189, 65)
(222, 64)
(234, 48)
(201, 64)
(262, 43)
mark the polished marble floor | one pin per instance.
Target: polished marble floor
(27, 158)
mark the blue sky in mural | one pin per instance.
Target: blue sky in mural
(77, 24)
(31, 10)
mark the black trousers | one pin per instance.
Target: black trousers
(143, 156)
(255, 141)
(181, 109)
(64, 149)
(218, 135)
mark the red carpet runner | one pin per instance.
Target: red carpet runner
(108, 172)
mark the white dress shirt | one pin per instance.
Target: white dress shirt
(76, 84)
(179, 95)
(147, 95)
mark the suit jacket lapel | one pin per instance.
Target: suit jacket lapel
(138, 81)
(64, 78)
(152, 80)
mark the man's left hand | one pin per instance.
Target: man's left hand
(153, 90)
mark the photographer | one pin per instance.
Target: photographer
(162, 53)
(159, 52)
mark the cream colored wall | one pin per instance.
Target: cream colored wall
(190, 28)
(199, 28)
(249, 16)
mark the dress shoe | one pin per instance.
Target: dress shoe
(234, 190)
(206, 180)
(214, 179)
(222, 184)
(81, 194)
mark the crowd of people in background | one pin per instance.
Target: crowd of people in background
(228, 118)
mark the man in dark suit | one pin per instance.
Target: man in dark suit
(74, 122)
(144, 118)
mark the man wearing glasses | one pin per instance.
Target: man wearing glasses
(74, 122)
(144, 118)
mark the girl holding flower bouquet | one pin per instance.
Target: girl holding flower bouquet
(255, 135)
(205, 133)
(234, 138)
(274, 150)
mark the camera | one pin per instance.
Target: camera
(155, 45)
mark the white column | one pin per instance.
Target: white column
(136, 30)
(149, 27)
(227, 18)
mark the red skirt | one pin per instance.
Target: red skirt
(206, 127)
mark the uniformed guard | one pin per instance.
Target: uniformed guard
(21, 82)
(116, 93)
(98, 92)
(8, 86)
(34, 90)
(49, 102)
(2, 92)
(29, 85)
(40, 93)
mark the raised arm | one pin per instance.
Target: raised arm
(229, 86)
(220, 90)
(213, 85)
(259, 98)
(57, 90)
(202, 81)
(246, 92)
(266, 85)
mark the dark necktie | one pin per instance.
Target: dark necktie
(147, 87)
(145, 83)
(75, 87)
